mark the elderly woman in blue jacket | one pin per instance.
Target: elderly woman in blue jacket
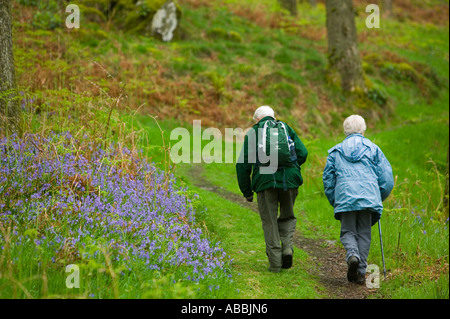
(357, 179)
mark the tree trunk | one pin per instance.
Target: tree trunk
(9, 102)
(290, 5)
(388, 7)
(343, 53)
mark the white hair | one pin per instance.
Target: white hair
(354, 124)
(263, 111)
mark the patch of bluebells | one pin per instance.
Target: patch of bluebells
(26, 104)
(76, 194)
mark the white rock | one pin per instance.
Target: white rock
(165, 21)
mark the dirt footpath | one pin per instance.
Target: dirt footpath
(328, 263)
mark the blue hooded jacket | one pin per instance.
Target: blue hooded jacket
(357, 177)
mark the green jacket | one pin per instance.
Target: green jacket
(249, 178)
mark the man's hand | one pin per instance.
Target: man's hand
(249, 199)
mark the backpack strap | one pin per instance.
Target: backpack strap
(285, 131)
(264, 138)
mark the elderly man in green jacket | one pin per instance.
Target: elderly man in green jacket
(269, 165)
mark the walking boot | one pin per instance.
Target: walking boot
(287, 260)
(352, 264)
(361, 279)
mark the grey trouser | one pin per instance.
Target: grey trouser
(278, 231)
(356, 234)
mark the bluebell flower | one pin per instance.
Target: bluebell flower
(136, 216)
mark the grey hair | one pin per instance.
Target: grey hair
(354, 124)
(263, 111)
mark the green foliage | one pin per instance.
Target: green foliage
(148, 7)
(131, 15)
(377, 95)
(284, 57)
(48, 16)
(28, 2)
(220, 33)
(400, 71)
(218, 82)
(283, 91)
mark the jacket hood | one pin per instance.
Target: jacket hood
(353, 148)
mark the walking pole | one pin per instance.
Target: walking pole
(382, 251)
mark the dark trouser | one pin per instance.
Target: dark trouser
(356, 228)
(278, 231)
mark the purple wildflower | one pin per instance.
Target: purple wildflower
(131, 207)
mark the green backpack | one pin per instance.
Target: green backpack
(272, 135)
